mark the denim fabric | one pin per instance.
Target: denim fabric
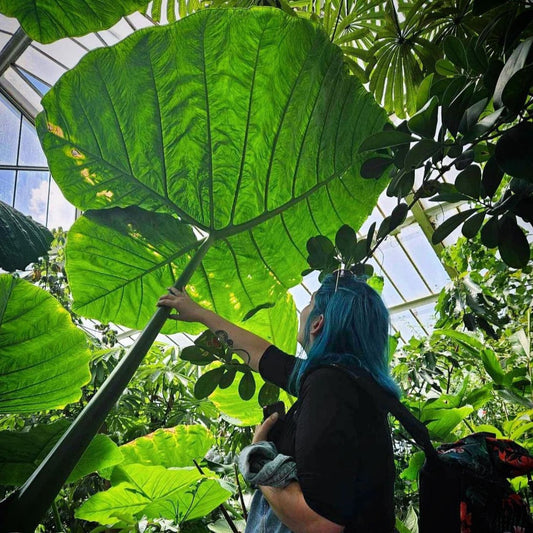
(261, 464)
(261, 518)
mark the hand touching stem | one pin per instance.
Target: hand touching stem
(245, 344)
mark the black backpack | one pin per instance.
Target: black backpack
(464, 486)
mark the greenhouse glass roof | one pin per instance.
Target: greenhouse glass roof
(408, 261)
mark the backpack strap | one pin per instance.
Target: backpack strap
(392, 405)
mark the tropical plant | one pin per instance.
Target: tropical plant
(290, 157)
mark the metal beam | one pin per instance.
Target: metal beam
(13, 49)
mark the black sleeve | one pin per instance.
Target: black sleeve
(327, 443)
(276, 366)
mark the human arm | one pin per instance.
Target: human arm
(288, 503)
(247, 345)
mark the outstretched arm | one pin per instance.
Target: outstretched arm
(246, 345)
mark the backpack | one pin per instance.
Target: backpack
(464, 485)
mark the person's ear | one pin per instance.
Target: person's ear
(317, 325)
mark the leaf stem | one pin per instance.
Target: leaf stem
(241, 498)
(221, 506)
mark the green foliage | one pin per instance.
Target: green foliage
(44, 356)
(46, 21)
(481, 91)
(23, 240)
(21, 453)
(235, 188)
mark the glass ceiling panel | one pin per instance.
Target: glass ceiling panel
(422, 254)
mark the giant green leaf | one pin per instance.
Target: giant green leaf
(43, 357)
(171, 447)
(240, 123)
(154, 491)
(23, 239)
(47, 21)
(22, 452)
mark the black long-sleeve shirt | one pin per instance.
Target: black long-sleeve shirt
(341, 444)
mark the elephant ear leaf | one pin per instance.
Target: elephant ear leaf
(45, 359)
(46, 21)
(23, 239)
(21, 452)
(255, 146)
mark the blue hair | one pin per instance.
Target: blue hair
(355, 333)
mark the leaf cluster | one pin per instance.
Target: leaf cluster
(473, 123)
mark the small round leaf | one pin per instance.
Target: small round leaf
(473, 225)
(268, 394)
(469, 181)
(208, 382)
(247, 386)
(489, 233)
(492, 177)
(374, 167)
(512, 244)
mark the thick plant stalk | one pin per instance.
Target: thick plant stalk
(23, 509)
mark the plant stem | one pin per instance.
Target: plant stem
(241, 498)
(221, 506)
(57, 518)
(22, 510)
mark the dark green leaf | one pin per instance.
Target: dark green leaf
(345, 241)
(490, 232)
(482, 6)
(370, 236)
(465, 159)
(23, 240)
(492, 177)
(398, 216)
(445, 68)
(492, 74)
(516, 91)
(453, 114)
(476, 56)
(252, 312)
(384, 228)
(227, 379)
(455, 51)
(524, 209)
(473, 225)
(483, 126)
(385, 139)
(247, 386)
(46, 21)
(512, 243)
(450, 225)
(374, 167)
(468, 181)
(402, 184)
(361, 251)
(421, 151)
(197, 355)
(447, 193)
(268, 393)
(471, 115)
(512, 151)
(424, 122)
(208, 382)
(516, 62)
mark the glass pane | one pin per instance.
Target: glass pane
(406, 278)
(424, 257)
(32, 194)
(407, 325)
(9, 132)
(7, 186)
(31, 152)
(60, 212)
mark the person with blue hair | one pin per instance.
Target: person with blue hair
(335, 432)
